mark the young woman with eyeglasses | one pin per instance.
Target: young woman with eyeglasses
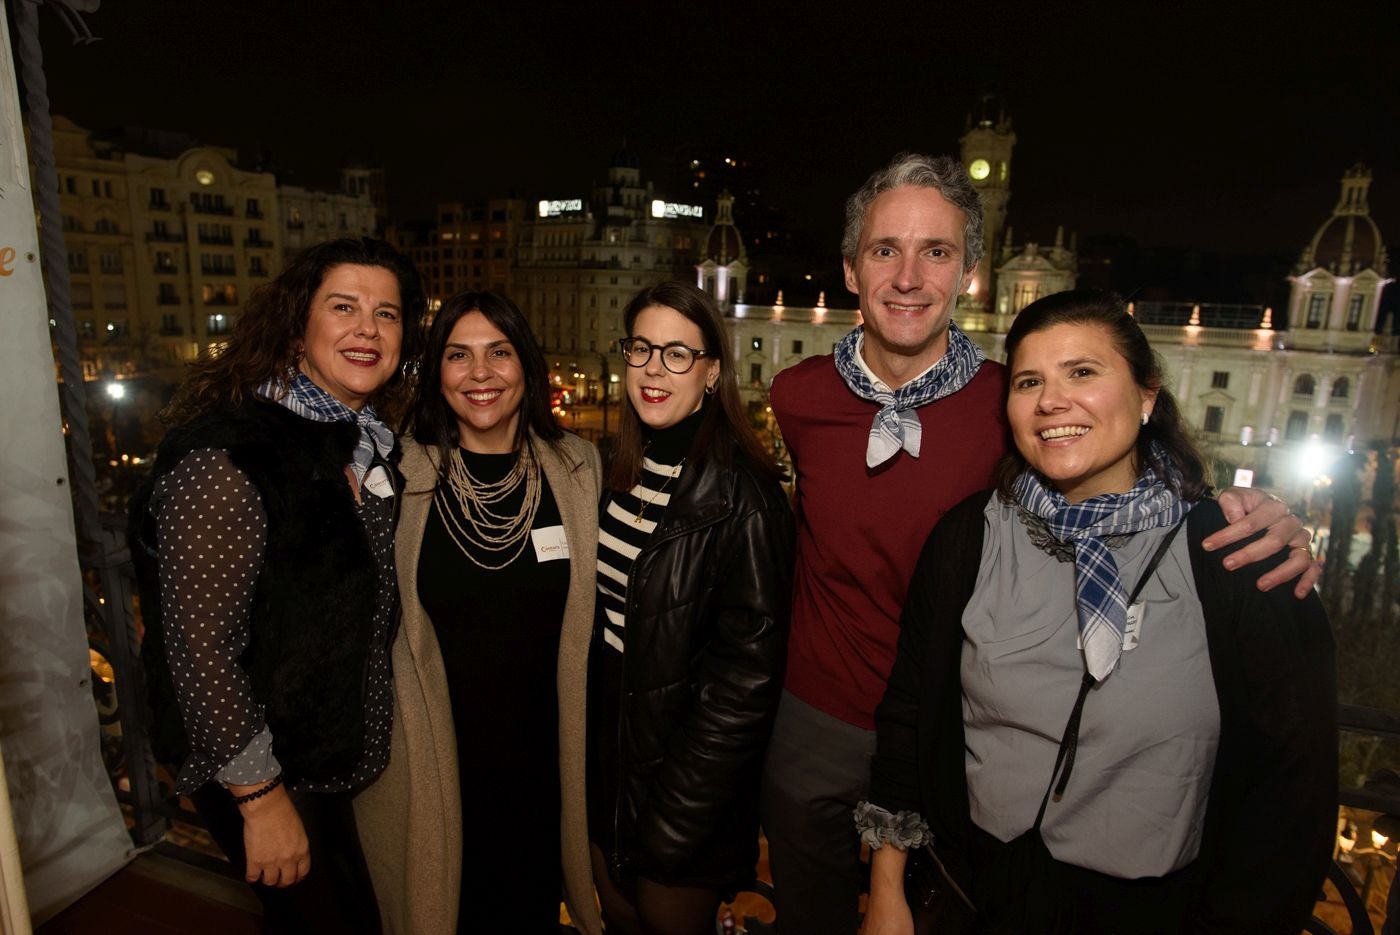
(694, 580)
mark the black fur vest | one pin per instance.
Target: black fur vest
(313, 604)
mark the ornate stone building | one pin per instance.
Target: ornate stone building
(163, 251)
(580, 259)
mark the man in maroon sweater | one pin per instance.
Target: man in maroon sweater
(886, 435)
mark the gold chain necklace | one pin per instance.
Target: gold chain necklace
(675, 472)
(481, 528)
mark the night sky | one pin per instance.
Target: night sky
(1190, 126)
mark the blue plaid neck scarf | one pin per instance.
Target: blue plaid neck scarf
(896, 426)
(309, 401)
(1100, 598)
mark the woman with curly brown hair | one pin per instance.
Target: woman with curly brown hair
(268, 526)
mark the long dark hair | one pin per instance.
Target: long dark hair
(265, 340)
(432, 421)
(724, 428)
(1106, 310)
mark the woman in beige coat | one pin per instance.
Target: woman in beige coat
(496, 548)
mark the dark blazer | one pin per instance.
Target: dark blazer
(707, 621)
(314, 600)
(1272, 810)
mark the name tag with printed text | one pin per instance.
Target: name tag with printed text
(550, 543)
(1132, 630)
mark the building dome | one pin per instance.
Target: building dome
(1347, 244)
(1348, 241)
(724, 244)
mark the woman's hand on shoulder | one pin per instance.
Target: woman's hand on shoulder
(1248, 511)
(273, 838)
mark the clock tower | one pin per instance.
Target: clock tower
(986, 152)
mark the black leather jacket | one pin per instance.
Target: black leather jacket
(707, 620)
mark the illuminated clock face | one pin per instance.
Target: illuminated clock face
(204, 177)
(979, 169)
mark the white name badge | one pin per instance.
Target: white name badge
(1132, 630)
(377, 482)
(550, 543)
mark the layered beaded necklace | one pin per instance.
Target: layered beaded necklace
(479, 528)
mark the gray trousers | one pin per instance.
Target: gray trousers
(818, 768)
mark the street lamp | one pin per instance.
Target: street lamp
(116, 391)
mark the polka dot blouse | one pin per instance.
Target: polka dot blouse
(212, 535)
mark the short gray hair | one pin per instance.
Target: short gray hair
(942, 173)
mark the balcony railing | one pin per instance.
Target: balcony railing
(254, 214)
(256, 242)
(220, 240)
(166, 269)
(165, 237)
(167, 300)
(226, 210)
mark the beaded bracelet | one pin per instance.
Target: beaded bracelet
(258, 793)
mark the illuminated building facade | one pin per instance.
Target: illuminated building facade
(162, 252)
(1259, 387)
(580, 259)
(468, 247)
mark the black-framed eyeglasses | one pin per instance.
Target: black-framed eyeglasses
(675, 356)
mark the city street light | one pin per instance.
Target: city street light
(116, 391)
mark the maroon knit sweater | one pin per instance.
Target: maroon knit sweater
(860, 531)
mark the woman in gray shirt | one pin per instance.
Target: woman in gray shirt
(1099, 729)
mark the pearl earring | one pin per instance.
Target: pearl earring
(1144, 418)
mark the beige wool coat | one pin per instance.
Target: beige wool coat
(410, 819)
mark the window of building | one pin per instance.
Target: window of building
(1215, 419)
(1297, 425)
(1317, 311)
(96, 188)
(77, 261)
(165, 262)
(255, 266)
(71, 223)
(158, 198)
(253, 208)
(756, 344)
(111, 262)
(612, 302)
(106, 226)
(87, 328)
(797, 347)
(1340, 388)
(755, 373)
(70, 185)
(1354, 312)
(1332, 431)
(218, 323)
(169, 324)
(1220, 380)
(107, 189)
(165, 294)
(1305, 385)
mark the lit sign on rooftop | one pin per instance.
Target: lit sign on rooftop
(671, 210)
(552, 209)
